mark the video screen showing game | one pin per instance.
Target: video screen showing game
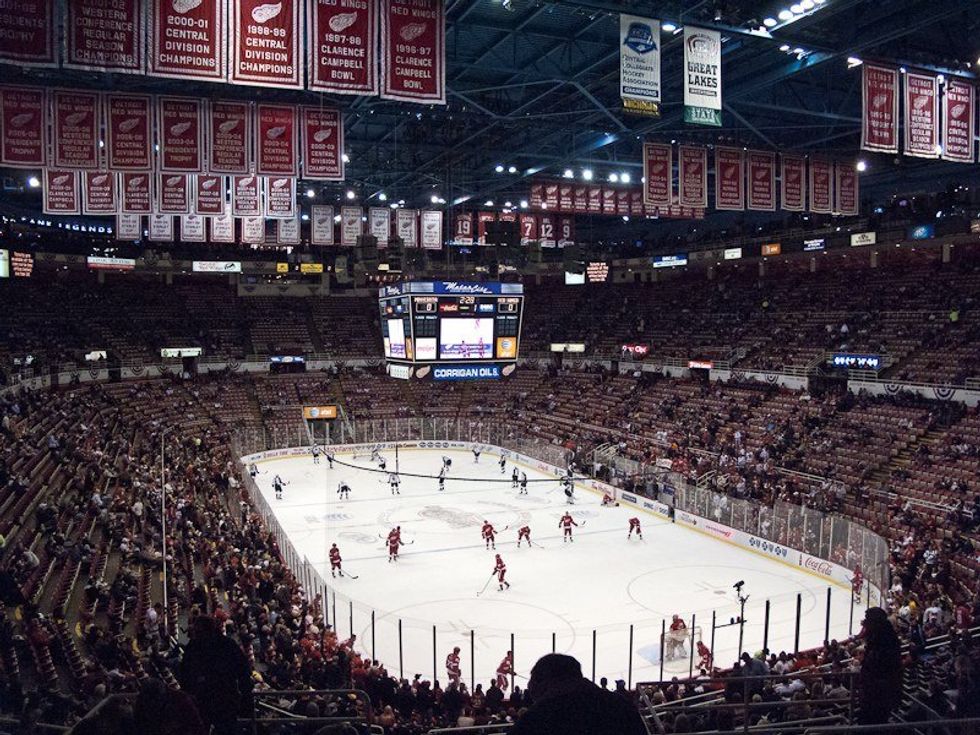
(466, 339)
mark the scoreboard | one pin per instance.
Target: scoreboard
(451, 323)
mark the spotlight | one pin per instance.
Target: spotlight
(523, 203)
(499, 168)
(382, 197)
(853, 61)
(34, 182)
(769, 22)
(345, 158)
(669, 27)
(350, 194)
(785, 15)
(434, 199)
(488, 203)
(624, 178)
(587, 174)
(569, 174)
(310, 194)
(512, 169)
(862, 166)
(614, 178)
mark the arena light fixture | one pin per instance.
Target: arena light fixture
(393, 205)
(853, 61)
(512, 169)
(34, 182)
(382, 197)
(336, 218)
(569, 174)
(345, 158)
(862, 165)
(587, 174)
(310, 194)
(434, 199)
(784, 48)
(796, 9)
(508, 205)
(785, 15)
(669, 27)
(488, 203)
(351, 194)
(523, 203)
(624, 178)
(769, 22)
(499, 168)
(614, 178)
(807, 4)
(305, 217)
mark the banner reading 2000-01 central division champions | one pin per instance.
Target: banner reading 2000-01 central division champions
(188, 39)
(413, 50)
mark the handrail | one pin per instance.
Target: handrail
(964, 725)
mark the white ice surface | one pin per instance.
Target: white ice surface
(602, 582)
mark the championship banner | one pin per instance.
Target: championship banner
(61, 194)
(104, 36)
(639, 65)
(793, 178)
(129, 227)
(608, 200)
(350, 225)
(222, 228)
(529, 228)
(879, 117)
(98, 192)
(463, 233)
(209, 194)
(323, 144)
(658, 164)
(277, 151)
(407, 227)
(958, 122)
(595, 200)
(566, 231)
(253, 230)
(342, 42)
(848, 199)
(75, 129)
(28, 32)
(188, 39)
(762, 180)
(636, 203)
(536, 198)
(546, 230)
(623, 202)
(23, 124)
(321, 231)
(135, 194)
(287, 231)
(692, 176)
(180, 132)
(482, 219)
(921, 115)
(161, 228)
(413, 51)
(173, 194)
(129, 132)
(379, 225)
(580, 199)
(550, 196)
(702, 76)
(231, 138)
(431, 229)
(246, 198)
(265, 43)
(565, 198)
(192, 228)
(729, 179)
(280, 197)
(821, 185)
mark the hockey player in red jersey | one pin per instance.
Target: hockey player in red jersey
(505, 669)
(394, 541)
(635, 526)
(500, 569)
(523, 533)
(608, 499)
(452, 666)
(705, 659)
(566, 523)
(489, 535)
(335, 561)
(857, 582)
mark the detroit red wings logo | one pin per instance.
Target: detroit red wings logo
(185, 6)
(412, 31)
(342, 21)
(265, 13)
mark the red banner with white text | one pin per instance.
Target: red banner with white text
(566, 231)
(342, 42)
(180, 132)
(921, 115)
(246, 196)
(129, 139)
(280, 197)
(23, 125)
(413, 50)
(135, 193)
(99, 192)
(230, 144)
(323, 144)
(463, 232)
(276, 130)
(61, 192)
(27, 28)
(658, 163)
(209, 194)
(959, 122)
(821, 186)
(729, 179)
(566, 199)
(265, 43)
(482, 219)
(595, 199)
(692, 176)
(547, 231)
(879, 123)
(580, 199)
(608, 200)
(173, 194)
(104, 36)
(550, 196)
(188, 39)
(793, 182)
(75, 129)
(762, 180)
(846, 189)
(529, 228)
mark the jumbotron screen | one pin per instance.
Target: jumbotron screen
(431, 322)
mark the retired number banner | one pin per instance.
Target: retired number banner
(464, 228)
(407, 227)
(23, 124)
(323, 144)
(75, 129)
(209, 194)
(729, 179)
(280, 197)
(762, 180)
(879, 124)
(958, 122)
(692, 176)
(135, 194)
(99, 192)
(265, 40)
(105, 36)
(188, 39)
(793, 178)
(846, 189)
(529, 228)
(482, 218)
(231, 138)
(27, 29)
(246, 196)
(180, 132)
(277, 152)
(821, 185)
(342, 39)
(129, 132)
(61, 195)
(431, 229)
(658, 163)
(413, 50)
(921, 115)
(173, 194)
(321, 231)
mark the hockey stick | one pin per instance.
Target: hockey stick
(492, 574)
(352, 576)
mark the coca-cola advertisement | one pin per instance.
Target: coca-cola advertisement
(921, 115)
(821, 186)
(958, 122)
(75, 129)
(173, 194)
(729, 179)
(658, 170)
(413, 50)
(209, 194)
(342, 38)
(129, 142)
(135, 193)
(879, 124)
(277, 141)
(793, 182)
(181, 134)
(762, 180)
(104, 36)
(246, 199)
(61, 194)
(231, 138)
(192, 228)
(23, 122)
(188, 39)
(323, 144)
(27, 28)
(265, 43)
(692, 176)
(848, 202)
(280, 197)
(99, 192)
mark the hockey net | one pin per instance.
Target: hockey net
(677, 645)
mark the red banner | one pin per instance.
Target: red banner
(692, 176)
(595, 200)
(481, 221)
(848, 202)
(529, 228)
(342, 39)
(729, 179)
(188, 39)
(129, 132)
(27, 28)
(566, 231)
(264, 40)
(793, 178)
(76, 129)
(277, 135)
(580, 200)
(104, 36)
(879, 124)
(464, 228)
(180, 130)
(413, 50)
(61, 192)
(246, 200)
(23, 123)
(280, 197)
(323, 144)
(231, 138)
(958, 122)
(762, 180)
(550, 196)
(173, 194)
(623, 202)
(636, 203)
(821, 186)
(546, 230)
(135, 194)
(98, 192)
(209, 194)
(658, 163)
(608, 200)
(921, 115)
(566, 200)
(537, 196)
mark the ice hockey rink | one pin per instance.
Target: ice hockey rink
(560, 592)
